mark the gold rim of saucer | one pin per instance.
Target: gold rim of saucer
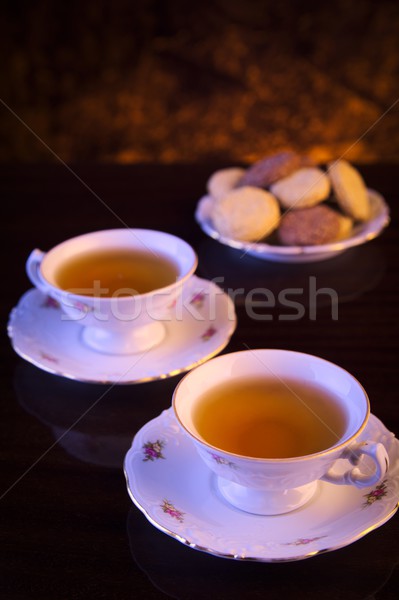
(164, 427)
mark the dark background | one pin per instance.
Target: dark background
(204, 83)
(152, 80)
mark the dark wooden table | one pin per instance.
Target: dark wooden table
(68, 527)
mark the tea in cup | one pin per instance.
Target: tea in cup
(117, 283)
(271, 423)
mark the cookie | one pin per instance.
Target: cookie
(306, 187)
(204, 208)
(268, 170)
(350, 190)
(246, 213)
(312, 226)
(223, 181)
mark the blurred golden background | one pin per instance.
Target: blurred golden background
(230, 80)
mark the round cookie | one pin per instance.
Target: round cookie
(350, 190)
(268, 170)
(223, 181)
(313, 226)
(306, 187)
(204, 207)
(246, 213)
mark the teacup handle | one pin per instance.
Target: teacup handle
(33, 270)
(355, 477)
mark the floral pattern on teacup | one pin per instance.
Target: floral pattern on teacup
(82, 307)
(50, 302)
(153, 450)
(170, 509)
(376, 494)
(208, 333)
(222, 461)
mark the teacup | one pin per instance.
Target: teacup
(280, 391)
(92, 277)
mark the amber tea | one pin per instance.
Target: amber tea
(120, 271)
(269, 418)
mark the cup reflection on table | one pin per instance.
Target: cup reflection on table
(271, 423)
(173, 567)
(93, 423)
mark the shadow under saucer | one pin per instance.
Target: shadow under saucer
(350, 274)
(93, 423)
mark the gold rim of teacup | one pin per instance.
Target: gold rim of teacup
(253, 459)
(124, 299)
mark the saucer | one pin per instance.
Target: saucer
(361, 234)
(170, 484)
(200, 329)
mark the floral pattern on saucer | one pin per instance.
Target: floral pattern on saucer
(305, 541)
(179, 496)
(171, 510)
(376, 494)
(153, 450)
(197, 329)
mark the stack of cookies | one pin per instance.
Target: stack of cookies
(288, 195)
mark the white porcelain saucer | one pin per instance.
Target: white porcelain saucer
(361, 234)
(195, 333)
(171, 485)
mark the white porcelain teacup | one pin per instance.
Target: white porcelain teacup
(277, 485)
(121, 322)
